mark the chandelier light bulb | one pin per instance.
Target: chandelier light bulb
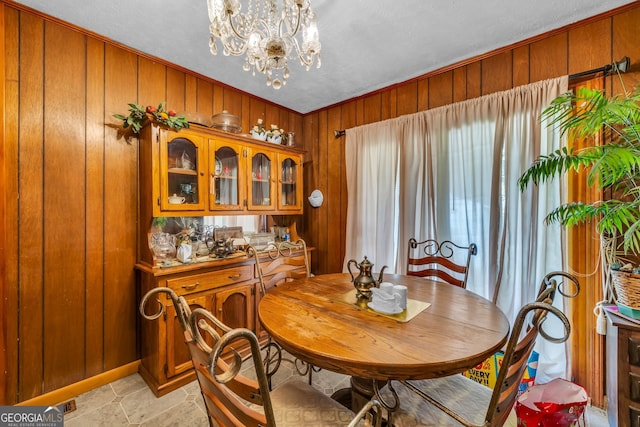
(268, 33)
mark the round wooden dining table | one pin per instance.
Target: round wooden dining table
(320, 320)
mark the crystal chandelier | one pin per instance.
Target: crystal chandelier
(266, 34)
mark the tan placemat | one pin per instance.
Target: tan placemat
(414, 307)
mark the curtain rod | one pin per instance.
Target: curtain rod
(621, 66)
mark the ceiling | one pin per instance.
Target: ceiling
(366, 44)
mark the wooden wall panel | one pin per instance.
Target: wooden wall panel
(372, 109)
(474, 80)
(520, 66)
(231, 100)
(335, 157)
(389, 104)
(204, 98)
(590, 46)
(94, 178)
(311, 172)
(459, 84)
(152, 83)
(626, 42)
(64, 206)
(31, 210)
(9, 187)
(176, 93)
(407, 98)
(190, 94)
(440, 90)
(423, 94)
(548, 58)
(257, 110)
(326, 218)
(120, 209)
(497, 73)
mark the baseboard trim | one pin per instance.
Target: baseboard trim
(60, 395)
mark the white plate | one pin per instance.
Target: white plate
(218, 167)
(384, 310)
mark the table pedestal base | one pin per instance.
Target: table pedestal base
(362, 392)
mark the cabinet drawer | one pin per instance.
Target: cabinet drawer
(634, 416)
(213, 279)
(634, 351)
(634, 387)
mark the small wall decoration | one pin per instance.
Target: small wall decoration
(139, 115)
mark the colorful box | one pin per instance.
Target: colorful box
(486, 373)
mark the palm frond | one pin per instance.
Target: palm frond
(615, 164)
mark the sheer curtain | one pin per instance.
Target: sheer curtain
(457, 174)
(371, 155)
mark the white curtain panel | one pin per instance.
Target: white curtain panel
(457, 175)
(371, 155)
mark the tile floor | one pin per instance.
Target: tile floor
(129, 402)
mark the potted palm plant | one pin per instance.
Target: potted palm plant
(614, 165)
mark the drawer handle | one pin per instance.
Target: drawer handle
(190, 287)
(234, 276)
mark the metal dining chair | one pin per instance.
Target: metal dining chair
(233, 399)
(444, 260)
(457, 399)
(284, 264)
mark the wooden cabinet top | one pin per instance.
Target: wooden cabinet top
(240, 137)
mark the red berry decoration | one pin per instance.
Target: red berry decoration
(172, 113)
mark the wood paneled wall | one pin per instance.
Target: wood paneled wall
(588, 45)
(70, 187)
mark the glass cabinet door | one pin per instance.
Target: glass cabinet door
(227, 184)
(262, 179)
(182, 172)
(289, 191)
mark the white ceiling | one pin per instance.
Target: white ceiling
(366, 44)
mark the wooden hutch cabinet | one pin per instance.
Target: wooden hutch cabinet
(205, 172)
(623, 370)
(201, 171)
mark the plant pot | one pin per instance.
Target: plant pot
(627, 287)
(260, 136)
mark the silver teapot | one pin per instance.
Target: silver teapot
(365, 280)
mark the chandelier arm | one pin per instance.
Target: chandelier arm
(301, 55)
(233, 28)
(295, 31)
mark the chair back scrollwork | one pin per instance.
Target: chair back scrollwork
(284, 263)
(444, 260)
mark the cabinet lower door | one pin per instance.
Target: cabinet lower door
(234, 306)
(178, 357)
